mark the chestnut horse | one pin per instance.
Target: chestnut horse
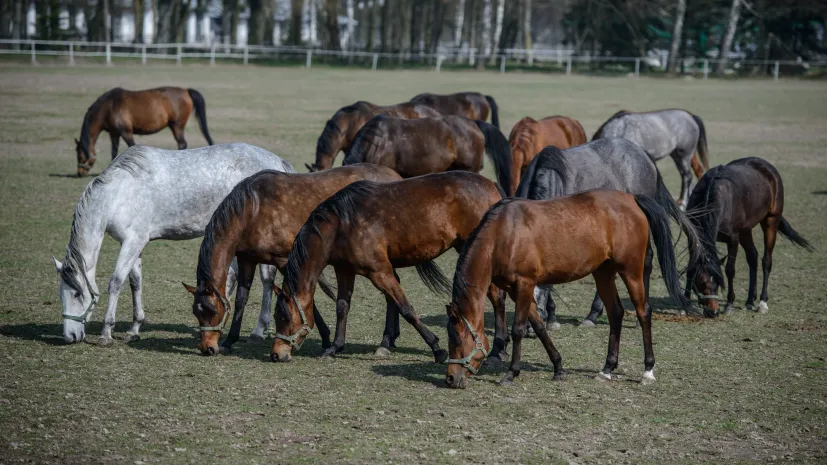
(369, 229)
(472, 105)
(522, 243)
(529, 136)
(728, 202)
(341, 129)
(414, 147)
(125, 113)
(256, 223)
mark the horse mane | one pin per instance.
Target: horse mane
(365, 141)
(599, 133)
(523, 138)
(134, 163)
(706, 206)
(87, 118)
(549, 159)
(331, 130)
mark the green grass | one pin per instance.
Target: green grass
(745, 388)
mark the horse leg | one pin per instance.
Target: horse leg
(386, 282)
(683, 163)
(697, 168)
(345, 280)
(523, 296)
(267, 273)
(638, 290)
(131, 249)
(128, 137)
(770, 227)
(232, 278)
(246, 273)
(594, 313)
(751, 251)
(605, 279)
(392, 330)
(647, 275)
(178, 134)
(542, 333)
(135, 282)
(729, 269)
(497, 298)
(115, 137)
(551, 312)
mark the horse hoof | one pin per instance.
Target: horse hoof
(749, 306)
(603, 377)
(554, 326)
(762, 307)
(105, 341)
(440, 356)
(648, 378)
(587, 323)
(560, 375)
(682, 312)
(131, 337)
(529, 333)
(257, 337)
(506, 381)
(729, 310)
(382, 352)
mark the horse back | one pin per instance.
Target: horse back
(757, 186)
(149, 111)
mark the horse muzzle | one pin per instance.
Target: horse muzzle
(456, 381)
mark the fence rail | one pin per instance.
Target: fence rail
(552, 60)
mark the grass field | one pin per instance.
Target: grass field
(747, 388)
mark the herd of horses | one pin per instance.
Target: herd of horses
(563, 208)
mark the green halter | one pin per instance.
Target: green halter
(220, 326)
(705, 296)
(478, 347)
(84, 317)
(305, 327)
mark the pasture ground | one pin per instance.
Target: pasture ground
(747, 388)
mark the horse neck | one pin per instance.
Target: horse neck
(475, 270)
(319, 251)
(88, 230)
(219, 255)
(93, 122)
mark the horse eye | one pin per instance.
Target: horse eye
(78, 295)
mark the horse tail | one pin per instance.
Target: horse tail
(200, 106)
(495, 115)
(787, 231)
(703, 148)
(662, 238)
(435, 280)
(524, 189)
(498, 150)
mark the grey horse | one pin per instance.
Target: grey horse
(664, 133)
(146, 194)
(617, 164)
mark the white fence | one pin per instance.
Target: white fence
(553, 60)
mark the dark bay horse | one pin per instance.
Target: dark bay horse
(472, 105)
(522, 243)
(728, 202)
(256, 223)
(341, 129)
(369, 229)
(602, 164)
(125, 113)
(529, 136)
(413, 147)
(664, 133)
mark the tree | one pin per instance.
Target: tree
(348, 42)
(383, 26)
(138, 11)
(436, 25)
(498, 29)
(726, 45)
(259, 12)
(331, 23)
(527, 24)
(295, 37)
(485, 46)
(459, 17)
(677, 34)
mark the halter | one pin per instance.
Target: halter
(478, 347)
(220, 326)
(305, 327)
(84, 317)
(705, 296)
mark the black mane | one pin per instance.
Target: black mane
(599, 133)
(704, 210)
(365, 141)
(87, 118)
(549, 159)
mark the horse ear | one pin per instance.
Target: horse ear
(208, 288)
(189, 288)
(77, 142)
(451, 309)
(309, 167)
(58, 265)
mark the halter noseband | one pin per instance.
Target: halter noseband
(478, 347)
(704, 296)
(305, 327)
(220, 326)
(84, 317)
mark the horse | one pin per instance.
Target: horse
(124, 113)
(529, 136)
(661, 133)
(413, 147)
(728, 202)
(341, 129)
(472, 105)
(256, 223)
(616, 164)
(143, 195)
(369, 229)
(522, 243)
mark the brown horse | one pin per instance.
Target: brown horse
(472, 105)
(522, 243)
(369, 229)
(341, 129)
(256, 223)
(414, 147)
(124, 113)
(529, 136)
(728, 202)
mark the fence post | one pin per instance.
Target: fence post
(246, 57)
(775, 72)
(568, 65)
(706, 69)
(472, 57)
(143, 54)
(34, 55)
(502, 64)
(212, 54)
(308, 62)
(375, 61)
(178, 56)
(71, 54)
(531, 57)
(637, 67)
(439, 63)
(108, 54)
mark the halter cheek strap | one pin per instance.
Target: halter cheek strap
(295, 337)
(220, 326)
(84, 317)
(478, 347)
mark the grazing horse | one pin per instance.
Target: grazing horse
(143, 195)
(369, 229)
(124, 113)
(413, 147)
(256, 223)
(472, 105)
(529, 136)
(664, 133)
(341, 129)
(728, 202)
(522, 243)
(602, 164)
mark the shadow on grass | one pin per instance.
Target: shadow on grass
(52, 333)
(820, 192)
(433, 373)
(70, 176)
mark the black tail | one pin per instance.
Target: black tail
(525, 180)
(534, 185)
(703, 148)
(435, 280)
(366, 142)
(787, 231)
(662, 237)
(495, 114)
(200, 113)
(697, 248)
(497, 148)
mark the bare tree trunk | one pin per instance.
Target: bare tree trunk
(436, 27)
(472, 28)
(234, 7)
(348, 39)
(485, 46)
(332, 24)
(728, 37)
(138, 11)
(313, 13)
(527, 24)
(459, 18)
(295, 22)
(498, 29)
(371, 26)
(257, 21)
(677, 35)
(383, 27)
(107, 21)
(19, 32)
